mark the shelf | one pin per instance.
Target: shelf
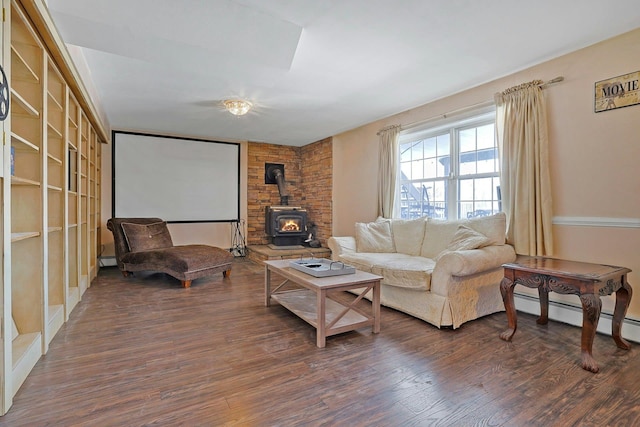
(72, 146)
(303, 303)
(31, 75)
(56, 132)
(15, 180)
(26, 106)
(26, 351)
(55, 101)
(16, 237)
(72, 122)
(54, 229)
(54, 188)
(54, 159)
(15, 138)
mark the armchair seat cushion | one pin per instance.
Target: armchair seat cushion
(184, 260)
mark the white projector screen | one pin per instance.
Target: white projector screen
(176, 179)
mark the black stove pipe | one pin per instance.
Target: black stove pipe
(284, 198)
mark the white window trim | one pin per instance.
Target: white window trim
(468, 119)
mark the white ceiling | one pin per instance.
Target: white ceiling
(312, 68)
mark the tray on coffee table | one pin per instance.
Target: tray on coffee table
(321, 267)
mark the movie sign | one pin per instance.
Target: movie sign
(617, 92)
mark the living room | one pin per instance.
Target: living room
(593, 206)
(595, 219)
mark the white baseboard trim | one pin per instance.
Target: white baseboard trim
(572, 315)
(586, 221)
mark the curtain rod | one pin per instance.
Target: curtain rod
(482, 104)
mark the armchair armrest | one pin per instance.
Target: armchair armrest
(453, 269)
(341, 245)
(467, 262)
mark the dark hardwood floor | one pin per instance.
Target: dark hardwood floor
(144, 351)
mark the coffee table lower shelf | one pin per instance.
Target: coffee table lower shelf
(303, 303)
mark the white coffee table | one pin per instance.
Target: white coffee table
(314, 304)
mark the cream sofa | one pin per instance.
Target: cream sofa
(444, 272)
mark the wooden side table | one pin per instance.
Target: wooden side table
(588, 281)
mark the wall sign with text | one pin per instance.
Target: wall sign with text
(617, 92)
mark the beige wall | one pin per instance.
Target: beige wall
(594, 159)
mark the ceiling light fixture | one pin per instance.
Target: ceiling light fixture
(237, 107)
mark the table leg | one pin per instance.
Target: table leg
(321, 301)
(623, 298)
(376, 307)
(543, 294)
(506, 289)
(591, 306)
(267, 286)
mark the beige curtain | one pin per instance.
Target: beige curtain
(387, 170)
(521, 122)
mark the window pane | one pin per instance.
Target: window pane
(467, 140)
(487, 160)
(411, 151)
(483, 189)
(430, 168)
(444, 144)
(405, 170)
(430, 145)
(417, 169)
(417, 150)
(466, 190)
(486, 138)
(439, 199)
(468, 163)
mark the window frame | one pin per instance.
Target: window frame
(451, 125)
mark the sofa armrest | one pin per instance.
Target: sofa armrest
(467, 262)
(341, 245)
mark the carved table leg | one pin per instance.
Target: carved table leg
(591, 306)
(506, 289)
(623, 298)
(543, 294)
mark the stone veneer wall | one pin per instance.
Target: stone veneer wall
(308, 173)
(317, 186)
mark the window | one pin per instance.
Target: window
(449, 170)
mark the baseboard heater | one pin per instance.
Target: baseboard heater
(572, 315)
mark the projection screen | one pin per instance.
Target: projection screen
(176, 179)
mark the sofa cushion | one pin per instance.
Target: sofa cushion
(439, 233)
(374, 237)
(465, 238)
(408, 235)
(144, 237)
(400, 270)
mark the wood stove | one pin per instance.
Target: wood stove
(286, 225)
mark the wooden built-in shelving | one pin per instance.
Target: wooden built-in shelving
(51, 201)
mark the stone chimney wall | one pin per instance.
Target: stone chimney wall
(308, 173)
